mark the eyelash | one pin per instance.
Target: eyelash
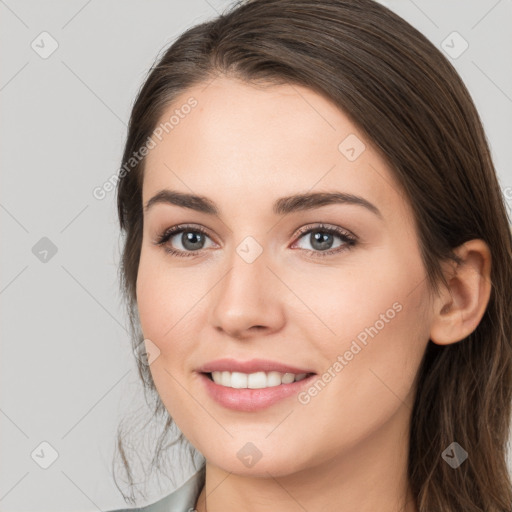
(349, 239)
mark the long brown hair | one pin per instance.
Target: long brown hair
(407, 98)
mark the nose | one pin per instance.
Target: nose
(247, 301)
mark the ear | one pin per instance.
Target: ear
(459, 308)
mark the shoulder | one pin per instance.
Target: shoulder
(182, 499)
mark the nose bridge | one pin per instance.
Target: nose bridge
(248, 274)
(247, 296)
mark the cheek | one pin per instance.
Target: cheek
(161, 304)
(164, 296)
(165, 306)
(364, 384)
(170, 304)
(381, 330)
(149, 299)
(362, 292)
(374, 317)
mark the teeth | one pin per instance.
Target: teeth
(258, 380)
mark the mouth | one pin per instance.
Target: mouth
(253, 392)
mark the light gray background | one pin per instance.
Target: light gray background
(67, 371)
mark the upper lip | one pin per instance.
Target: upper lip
(252, 366)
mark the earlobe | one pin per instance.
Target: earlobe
(459, 308)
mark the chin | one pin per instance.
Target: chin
(249, 460)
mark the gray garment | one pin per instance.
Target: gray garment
(182, 499)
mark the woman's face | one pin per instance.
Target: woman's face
(347, 301)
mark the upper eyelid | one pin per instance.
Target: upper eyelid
(323, 225)
(303, 230)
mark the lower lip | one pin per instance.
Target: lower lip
(250, 400)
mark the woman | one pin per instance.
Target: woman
(317, 259)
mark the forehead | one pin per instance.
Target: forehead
(241, 143)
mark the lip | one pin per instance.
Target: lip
(252, 366)
(252, 400)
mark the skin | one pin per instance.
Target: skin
(346, 450)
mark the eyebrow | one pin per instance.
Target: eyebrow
(281, 206)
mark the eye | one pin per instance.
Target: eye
(191, 239)
(322, 239)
